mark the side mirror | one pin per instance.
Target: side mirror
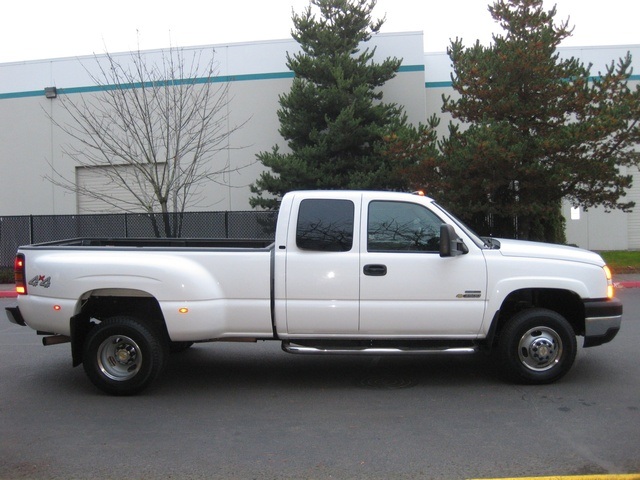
(450, 244)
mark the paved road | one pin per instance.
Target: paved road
(252, 411)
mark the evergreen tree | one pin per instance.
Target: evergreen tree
(538, 129)
(333, 118)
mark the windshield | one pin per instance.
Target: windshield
(482, 242)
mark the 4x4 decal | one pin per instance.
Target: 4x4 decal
(40, 281)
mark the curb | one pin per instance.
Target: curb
(626, 284)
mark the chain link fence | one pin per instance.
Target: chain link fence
(24, 230)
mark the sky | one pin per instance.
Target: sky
(34, 30)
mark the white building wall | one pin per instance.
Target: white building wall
(32, 148)
(26, 144)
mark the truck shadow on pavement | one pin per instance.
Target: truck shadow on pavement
(222, 366)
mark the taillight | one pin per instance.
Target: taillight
(19, 275)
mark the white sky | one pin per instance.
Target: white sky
(66, 28)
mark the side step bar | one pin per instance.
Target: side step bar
(373, 350)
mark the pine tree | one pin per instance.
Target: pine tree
(538, 129)
(333, 118)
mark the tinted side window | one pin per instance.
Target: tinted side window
(325, 225)
(398, 226)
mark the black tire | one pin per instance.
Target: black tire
(122, 356)
(537, 346)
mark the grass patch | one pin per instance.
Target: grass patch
(622, 261)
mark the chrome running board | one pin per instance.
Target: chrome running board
(373, 350)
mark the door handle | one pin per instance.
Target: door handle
(375, 270)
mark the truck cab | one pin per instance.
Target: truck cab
(370, 266)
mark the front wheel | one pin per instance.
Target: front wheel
(122, 356)
(537, 346)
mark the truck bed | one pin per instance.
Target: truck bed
(160, 242)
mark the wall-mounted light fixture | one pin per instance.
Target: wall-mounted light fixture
(51, 92)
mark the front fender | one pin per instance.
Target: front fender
(506, 287)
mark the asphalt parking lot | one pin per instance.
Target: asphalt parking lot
(253, 411)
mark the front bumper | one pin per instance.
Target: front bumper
(14, 315)
(602, 321)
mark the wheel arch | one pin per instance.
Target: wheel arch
(564, 302)
(98, 305)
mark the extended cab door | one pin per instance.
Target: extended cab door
(407, 289)
(321, 292)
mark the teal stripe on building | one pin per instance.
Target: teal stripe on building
(449, 84)
(219, 79)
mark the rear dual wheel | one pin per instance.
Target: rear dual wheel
(537, 346)
(122, 355)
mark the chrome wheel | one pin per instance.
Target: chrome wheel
(123, 355)
(540, 349)
(119, 357)
(536, 346)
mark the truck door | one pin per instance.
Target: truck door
(407, 289)
(322, 268)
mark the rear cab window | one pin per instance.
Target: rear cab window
(325, 225)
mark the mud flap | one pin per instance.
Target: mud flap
(80, 326)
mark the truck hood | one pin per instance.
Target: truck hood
(520, 248)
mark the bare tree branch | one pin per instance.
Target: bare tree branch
(154, 129)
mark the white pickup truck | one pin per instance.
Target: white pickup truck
(349, 272)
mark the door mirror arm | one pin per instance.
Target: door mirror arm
(451, 245)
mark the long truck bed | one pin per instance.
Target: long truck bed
(159, 242)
